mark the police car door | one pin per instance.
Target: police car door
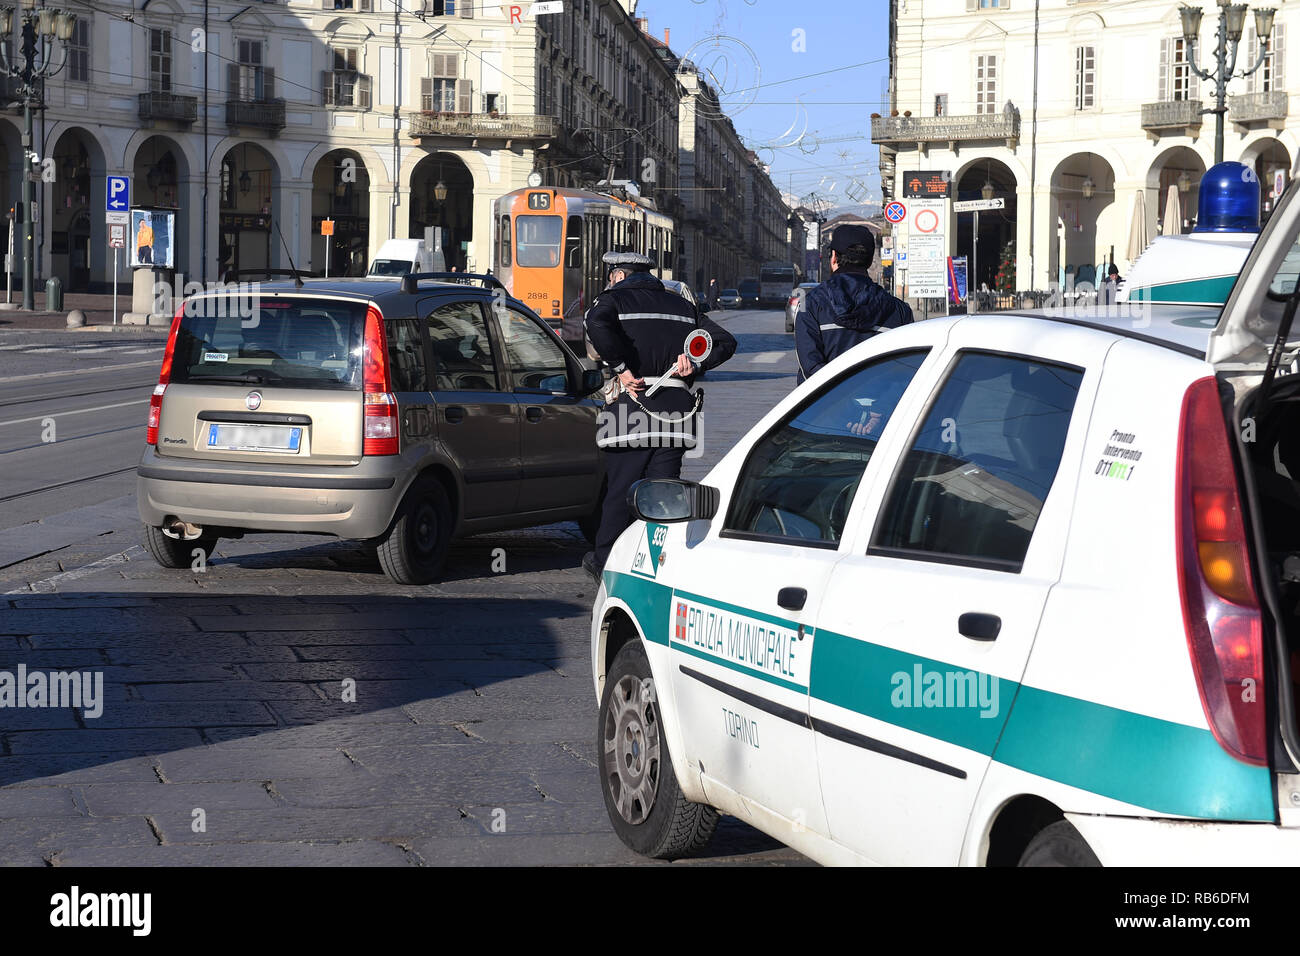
(928, 623)
(742, 641)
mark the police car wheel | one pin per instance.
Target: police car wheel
(416, 546)
(175, 553)
(642, 798)
(1059, 845)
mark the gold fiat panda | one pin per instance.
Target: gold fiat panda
(403, 412)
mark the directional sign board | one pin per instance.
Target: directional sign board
(979, 205)
(118, 196)
(927, 251)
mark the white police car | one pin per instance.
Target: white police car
(986, 590)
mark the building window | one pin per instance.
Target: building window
(249, 80)
(1175, 71)
(160, 61)
(941, 104)
(986, 83)
(973, 5)
(1085, 77)
(442, 92)
(79, 52)
(1270, 76)
(363, 6)
(453, 8)
(344, 86)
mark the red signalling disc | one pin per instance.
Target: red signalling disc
(698, 345)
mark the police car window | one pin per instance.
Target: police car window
(973, 483)
(536, 361)
(799, 480)
(462, 352)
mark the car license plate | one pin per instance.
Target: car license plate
(281, 438)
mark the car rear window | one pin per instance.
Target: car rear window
(295, 343)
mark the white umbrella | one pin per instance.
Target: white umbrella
(1173, 221)
(1137, 232)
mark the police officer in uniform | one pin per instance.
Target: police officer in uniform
(639, 330)
(847, 308)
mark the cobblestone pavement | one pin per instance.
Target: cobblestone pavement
(226, 736)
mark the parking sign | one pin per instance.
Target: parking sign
(117, 198)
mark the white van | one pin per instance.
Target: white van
(399, 257)
(998, 589)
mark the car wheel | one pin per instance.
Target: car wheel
(642, 798)
(175, 553)
(415, 548)
(1059, 845)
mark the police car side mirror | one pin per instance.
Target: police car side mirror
(590, 380)
(668, 500)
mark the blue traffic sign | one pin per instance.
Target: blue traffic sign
(895, 212)
(118, 197)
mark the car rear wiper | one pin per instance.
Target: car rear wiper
(248, 378)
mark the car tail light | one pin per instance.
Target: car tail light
(164, 379)
(380, 436)
(1221, 612)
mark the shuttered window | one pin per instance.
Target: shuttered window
(1176, 79)
(443, 92)
(1085, 77)
(344, 86)
(1272, 75)
(160, 61)
(986, 83)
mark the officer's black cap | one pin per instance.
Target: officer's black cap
(845, 236)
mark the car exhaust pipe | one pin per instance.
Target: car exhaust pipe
(181, 530)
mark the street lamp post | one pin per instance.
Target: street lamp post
(40, 31)
(1232, 19)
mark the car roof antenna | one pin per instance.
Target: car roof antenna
(297, 279)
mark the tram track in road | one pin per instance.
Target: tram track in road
(64, 484)
(58, 397)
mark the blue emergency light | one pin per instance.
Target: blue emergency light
(1229, 199)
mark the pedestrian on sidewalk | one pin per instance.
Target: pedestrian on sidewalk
(639, 330)
(847, 308)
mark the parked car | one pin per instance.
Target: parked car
(729, 299)
(1016, 588)
(403, 413)
(794, 304)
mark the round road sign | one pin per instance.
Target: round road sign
(927, 220)
(895, 212)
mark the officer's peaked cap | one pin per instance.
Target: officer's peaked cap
(627, 260)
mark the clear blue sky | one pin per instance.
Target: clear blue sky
(749, 45)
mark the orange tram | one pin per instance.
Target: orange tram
(549, 242)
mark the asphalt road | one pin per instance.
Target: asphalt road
(228, 734)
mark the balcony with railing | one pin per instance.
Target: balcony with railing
(258, 114)
(1173, 117)
(156, 106)
(1250, 108)
(482, 125)
(952, 130)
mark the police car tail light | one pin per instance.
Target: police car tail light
(164, 379)
(1220, 608)
(380, 436)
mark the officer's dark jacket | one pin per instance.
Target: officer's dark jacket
(846, 309)
(637, 324)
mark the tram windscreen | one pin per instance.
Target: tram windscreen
(537, 241)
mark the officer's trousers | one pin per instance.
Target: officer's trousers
(624, 467)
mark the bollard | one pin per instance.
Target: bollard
(54, 295)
